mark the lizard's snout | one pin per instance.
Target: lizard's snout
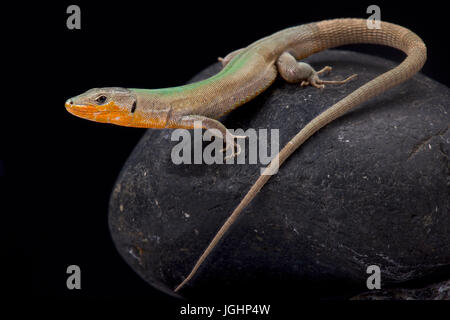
(69, 102)
(73, 107)
(69, 105)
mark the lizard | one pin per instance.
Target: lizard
(245, 74)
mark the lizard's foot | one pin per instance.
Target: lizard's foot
(315, 81)
(300, 72)
(232, 144)
(233, 153)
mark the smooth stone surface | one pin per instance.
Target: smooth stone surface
(371, 188)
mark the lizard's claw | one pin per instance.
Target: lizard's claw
(317, 83)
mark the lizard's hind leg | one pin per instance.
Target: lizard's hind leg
(294, 72)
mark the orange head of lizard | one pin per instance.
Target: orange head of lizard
(109, 105)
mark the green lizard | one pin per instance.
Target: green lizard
(246, 73)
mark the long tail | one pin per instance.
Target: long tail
(328, 34)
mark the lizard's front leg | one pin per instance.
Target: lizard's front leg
(294, 72)
(190, 122)
(229, 56)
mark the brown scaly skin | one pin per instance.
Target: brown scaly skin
(246, 73)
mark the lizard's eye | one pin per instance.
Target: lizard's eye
(101, 99)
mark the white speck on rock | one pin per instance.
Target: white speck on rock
(133, 254)
(121, 207)
(156, 238)
(187, 215)
(341, 138)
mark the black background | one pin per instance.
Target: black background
(145, 45)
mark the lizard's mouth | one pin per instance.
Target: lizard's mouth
(106, 114)
(112, 113)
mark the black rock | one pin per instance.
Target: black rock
(437, 291)
(371, 188)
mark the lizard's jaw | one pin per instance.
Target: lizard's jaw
(111, 113)
(108, 113)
